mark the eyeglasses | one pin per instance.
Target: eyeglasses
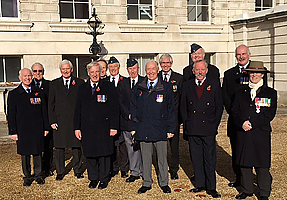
(40, 71)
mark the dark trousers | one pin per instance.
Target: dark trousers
(98, 168)
(26, 166)
(264, 180)
(47, 158)
(123, 160)
(60, 160)
(203, 155)
(174, 147)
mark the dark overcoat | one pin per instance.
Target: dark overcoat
(253, 148)
(153, 112)
(201, 117)
(125, 93)
(28, 118)
(95, 115)
(213, 72)
(61, 108)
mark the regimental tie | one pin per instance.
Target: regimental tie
(113, 81)
(199, 83)
(66, 86)
(133, 83)
(94, 89)
(150, 86)
(165, 77)
(28, 90)
(37, 84)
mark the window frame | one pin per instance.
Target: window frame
(76, 65)
(261, 7)
(142, 20)
(200, 22)
(4, 67)
(74, 13)
(140, 61)
(10, 18)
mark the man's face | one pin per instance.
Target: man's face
(242, 55)
(255, 77)
(104, 68)
(94, 73)
(114, 69)
(198, 55)
(151, 71)
(165, 64)
(38, 72)
(66, 71)
(26, 77)
(133, 71)
(200, 71)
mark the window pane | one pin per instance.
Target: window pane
(191, 13)
(202, 13)
(191, 2)
(66, 10)
(1, 70)
(267, 3)
(258, 3)
(9, 8)
(132, 1)
(132, 12)
(81, 0)
(146, 12)
(83, 61)
(82, 11)
(12, 66)
(73, 61)
(202, 2)
(146, 1)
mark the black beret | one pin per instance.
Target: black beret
(194, 47)
(131, 62)
(113, 60)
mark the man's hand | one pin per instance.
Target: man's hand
(78, 134)
(14, 137)
(170, 135)
(46, 133)
(54, 126)
(113, 132)
(133, 133)
(247, 126)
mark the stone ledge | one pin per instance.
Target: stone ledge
(142, 28)
(201, 29)
(78, 27)
(15, 26)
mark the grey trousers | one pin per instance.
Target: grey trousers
(26, 166)
(135, 160)
(161, 150)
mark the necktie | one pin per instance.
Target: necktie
(38, 84)
(66, 85)
(165, 77)
(113, 81)
(28, 90)
(150, 86)
(199, 83)
(133, 83)
(93, 89)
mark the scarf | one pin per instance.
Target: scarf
(254, 87)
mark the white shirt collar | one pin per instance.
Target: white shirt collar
(168, 74)
(154, 83)
(92, 84)
(116, 79)
(196, 81)
(25, 88)
(136, 80)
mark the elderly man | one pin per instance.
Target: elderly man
(114, 69)
(201, 109)
(96, 121)
(103, 64)
(28, 124)
(234, 78)
(198, 53)
(253, 109)
(153, 114)
(62, 101)
(168, 75)
(125, 89)
(39, 82)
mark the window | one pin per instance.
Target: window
(8, 8)
(9, 68)
(263, 4)
(142, 60)
(140, 10)
(75, 9)
(198, 10)
(79, 64)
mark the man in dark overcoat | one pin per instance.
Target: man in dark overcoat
(168, 75)
(43, 84)
(198, 53)
(125, 89)
(253, 109)
(201, 108)
(96, 122)
(153, 114)
(62, 101)
(28, 124)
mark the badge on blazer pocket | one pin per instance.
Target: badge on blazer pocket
(102, 98)
(159, 98)
(35, 101)
(174, 88)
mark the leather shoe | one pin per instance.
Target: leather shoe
(213, 193)
(124, 174)
(59, 177)
(40, 181)
(79, 175)
(263, 198)
(143, 189)
(103, 185)
(132, 178)
(173, 176)
(234, 184)
(93, 184)
(166, 189)
(243, 195)
(197, 189)
(49, 173)
(28, 182)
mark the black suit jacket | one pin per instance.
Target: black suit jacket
(213, 73)
(125, 93)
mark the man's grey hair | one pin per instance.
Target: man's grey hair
(113, 63)
(94, 63)
(20, 71)
(243, 45)
(206, 65)
(152, 61)
(65, 61)
(165, 55)
(37, 64)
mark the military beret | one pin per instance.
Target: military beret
(113, 60)
(131, 62)
(194, 47)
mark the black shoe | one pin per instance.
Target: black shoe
(263, 198)
(166, 189)
(234, 184)
(243, 195)
(113, 173)
(143, 189)
(173, 176)
(93, 184)
(213, 193)
(103, 185)
(132, 178)
(79, 175)
(124, 174)
(49, 173)
(28, 182)
(59, 177)
(197, 189)
(40, 181)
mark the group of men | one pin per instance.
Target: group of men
(132, 114)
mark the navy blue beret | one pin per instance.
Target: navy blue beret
(131, 62)
(113, 60)
(194, 47)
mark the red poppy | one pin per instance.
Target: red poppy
(98, 89)
(173, 81)
(121, 78)
(208, 88)
(36, 94)
(74, 82)
(141, 94)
